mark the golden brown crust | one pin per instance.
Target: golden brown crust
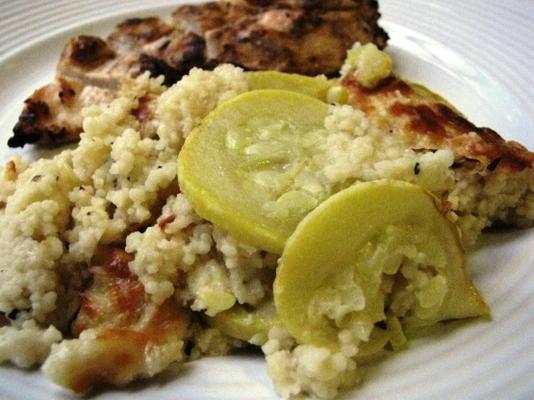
(125, 352)
(423, 117)
(128, 332)
(116, 300)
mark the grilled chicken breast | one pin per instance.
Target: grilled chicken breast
(90, 71)
(307, 37)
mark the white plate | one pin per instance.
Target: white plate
(480, 55)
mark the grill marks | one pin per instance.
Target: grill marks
(174, 57)
(286, 36)
(88, 52)
(302, 36)
(90, 71)
(366, 6)
(139, 31)
(41, 123)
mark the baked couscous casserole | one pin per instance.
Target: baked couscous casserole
(322, 220)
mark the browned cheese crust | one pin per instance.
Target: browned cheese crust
(430, 123)
(126, 322)
(300, 36)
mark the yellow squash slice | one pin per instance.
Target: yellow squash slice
(331, 275)
(243, 167)
(317, 87)
(250, 325)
